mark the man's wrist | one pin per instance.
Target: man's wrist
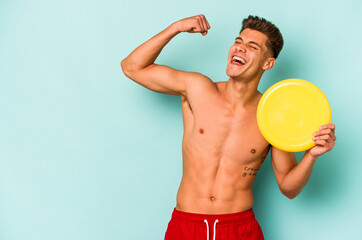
(175, 28)
(310, 156)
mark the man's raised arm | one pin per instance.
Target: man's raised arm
(139, 65)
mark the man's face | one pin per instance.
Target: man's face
(248, 55)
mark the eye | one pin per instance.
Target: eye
(253, 48)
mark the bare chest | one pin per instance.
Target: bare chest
(214, 130)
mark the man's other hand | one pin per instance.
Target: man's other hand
(324, 139)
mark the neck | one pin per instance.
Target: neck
(242, 93)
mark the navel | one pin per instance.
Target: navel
(201, 130)
(212, 198)
(253, 150)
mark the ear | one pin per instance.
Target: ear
(269, 63)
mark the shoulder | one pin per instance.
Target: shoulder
(196, 77)
(196, 82)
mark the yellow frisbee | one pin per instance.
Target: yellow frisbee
(290, 111)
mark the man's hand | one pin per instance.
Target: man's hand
(324, 140)
(193, 24)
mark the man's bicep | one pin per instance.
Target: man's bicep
(162, 79)
(282, 163)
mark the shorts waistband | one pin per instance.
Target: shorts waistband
(229, 218)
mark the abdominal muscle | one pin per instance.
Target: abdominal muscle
(212, 199)
(216, 185)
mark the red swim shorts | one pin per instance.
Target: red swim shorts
(190, 226)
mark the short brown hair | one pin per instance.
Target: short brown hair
(275, 39)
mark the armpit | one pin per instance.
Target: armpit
(186, 101)
(265, 153)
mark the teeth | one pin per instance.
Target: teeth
(239, 59)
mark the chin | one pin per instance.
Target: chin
(233, 74)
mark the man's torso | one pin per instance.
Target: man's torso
(222, 152)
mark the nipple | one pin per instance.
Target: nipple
(201, 130)
(253, 150)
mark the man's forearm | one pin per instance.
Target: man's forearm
(147, 53)
(297, 178)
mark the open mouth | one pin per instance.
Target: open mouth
(237, 60)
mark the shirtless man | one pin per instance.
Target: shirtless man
(222, 145)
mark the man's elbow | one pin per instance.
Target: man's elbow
(125, 68)
(290, 194)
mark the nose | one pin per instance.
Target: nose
(241, 47)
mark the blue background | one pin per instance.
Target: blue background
(85, 153)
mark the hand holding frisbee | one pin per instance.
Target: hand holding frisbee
(290, 112)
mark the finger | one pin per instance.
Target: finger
(333, 136)
(327, 138)
(330, 126)
(201, 26)
(208, 25)
(320, 142)
(324, 132)
(204, 22)
(323, 137)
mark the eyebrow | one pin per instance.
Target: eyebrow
(239, 38)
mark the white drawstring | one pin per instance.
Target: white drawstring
(216, 221)
(207, 227)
